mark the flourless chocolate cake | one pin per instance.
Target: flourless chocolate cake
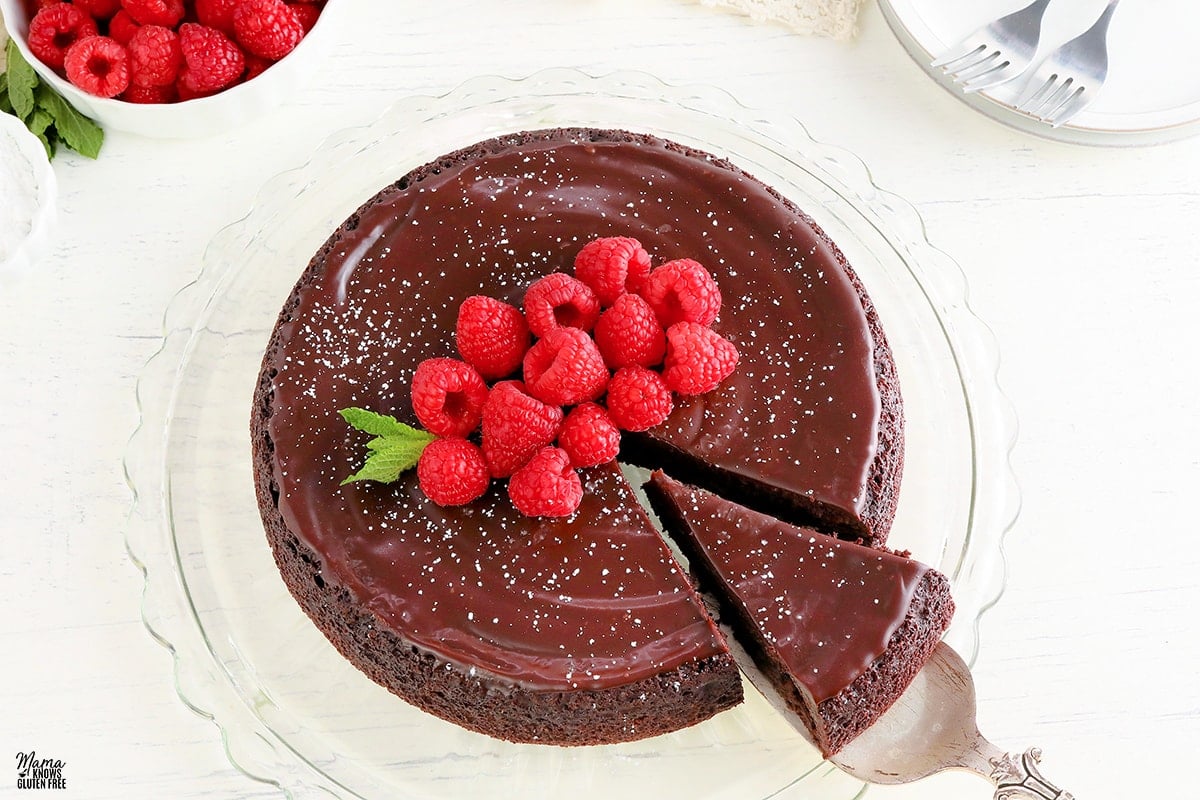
(583, 629)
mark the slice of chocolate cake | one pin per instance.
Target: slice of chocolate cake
(837, 628)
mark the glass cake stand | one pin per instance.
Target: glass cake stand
(293, 712)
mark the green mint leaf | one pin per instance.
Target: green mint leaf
(395, 449)
(389, 458)
(74, 129)
(376, 424)
(41, 125)
(49, 141)
(22, 81)
(375, 468)
(39, 121)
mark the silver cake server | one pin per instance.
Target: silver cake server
(930, 728)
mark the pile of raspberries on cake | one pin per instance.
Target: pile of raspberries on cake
(164, 51)
(599, 352)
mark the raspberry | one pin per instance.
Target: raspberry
(612, 266)
(211, 60)
(589, 436)
(515, 426)
(628, 333)
(99, 9)
(560, 301)
(565, 368)
(255, 66)
(492, 336)
(149, 94)
(217, 14)
(98, 65)
(548, 486)
(154, 56)
(698, 358)
(122, 27)
(267, 28)
(448, 396)
(452, 472)
(307, 13)
(638, 398)
(682, 291)
(167, 13)
(54, 29)
(184, 92)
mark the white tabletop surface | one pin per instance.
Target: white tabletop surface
(1084, 261)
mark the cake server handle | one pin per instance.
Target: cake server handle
(932, 727)
(1017, 777)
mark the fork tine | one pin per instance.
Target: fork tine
(1069, 107)
(967, 60)
(1001, 71)
(1035, 93)
(983, 70)
(1046, 108)
(985, 64)
(1001, 74)
(963, 50)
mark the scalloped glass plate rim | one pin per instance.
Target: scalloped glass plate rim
(202, 682)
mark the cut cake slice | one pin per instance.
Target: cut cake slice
(839, 629)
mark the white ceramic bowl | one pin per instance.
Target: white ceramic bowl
(28, 189)
(191, 118)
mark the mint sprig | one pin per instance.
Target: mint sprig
(395, 449)
(44, 111)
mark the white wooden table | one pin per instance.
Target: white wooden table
(1084, 261)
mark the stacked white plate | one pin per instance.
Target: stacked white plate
(1153, 89)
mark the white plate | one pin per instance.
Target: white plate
(1153, 89)
(27, 190)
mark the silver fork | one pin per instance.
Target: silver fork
(997, 52)
(1067, 80)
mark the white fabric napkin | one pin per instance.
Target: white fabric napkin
(836, 19)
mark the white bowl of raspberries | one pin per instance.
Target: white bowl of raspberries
(169, 68)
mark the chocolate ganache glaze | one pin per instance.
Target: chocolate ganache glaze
(594, 601)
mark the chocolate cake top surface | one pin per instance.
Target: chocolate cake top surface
(828, 607)
(594, 600)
